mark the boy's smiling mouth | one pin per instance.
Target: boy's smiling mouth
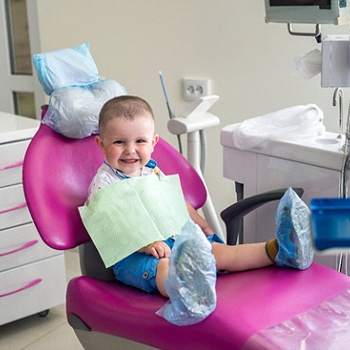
(129, 161)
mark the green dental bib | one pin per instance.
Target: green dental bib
(129, 214)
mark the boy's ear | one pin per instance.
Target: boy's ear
(99, 142)
(155, 140)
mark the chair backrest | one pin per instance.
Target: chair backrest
(57, 172)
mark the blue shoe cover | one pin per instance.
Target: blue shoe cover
(293, 232)
(191, 280)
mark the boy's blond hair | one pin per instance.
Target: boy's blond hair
(125, 106)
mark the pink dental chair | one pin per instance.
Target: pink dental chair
(108, 315)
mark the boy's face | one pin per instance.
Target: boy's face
(128, 144)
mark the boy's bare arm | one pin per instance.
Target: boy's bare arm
(199, 220)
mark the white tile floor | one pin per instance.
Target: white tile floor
(39, 333)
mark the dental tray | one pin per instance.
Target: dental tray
(330, 219)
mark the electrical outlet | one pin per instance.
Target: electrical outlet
(192, 89)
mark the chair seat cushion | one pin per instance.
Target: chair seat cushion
(247, 302)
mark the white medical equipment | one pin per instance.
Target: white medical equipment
(193, 121)
(335, 61)
(308, 12)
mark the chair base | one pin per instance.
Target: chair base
(91, 340)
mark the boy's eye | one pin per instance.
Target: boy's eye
(118, 142)
(140, 141)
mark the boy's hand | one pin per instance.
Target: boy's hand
(158, 249)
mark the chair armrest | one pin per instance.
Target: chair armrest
(233, 214)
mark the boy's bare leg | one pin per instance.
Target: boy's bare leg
(240, 257)
(228, 258)
(162, 274)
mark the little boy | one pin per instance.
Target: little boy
(127, 138)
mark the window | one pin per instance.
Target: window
(20, 92)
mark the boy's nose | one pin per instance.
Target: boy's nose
(130, 149)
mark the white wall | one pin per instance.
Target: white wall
(248, 61)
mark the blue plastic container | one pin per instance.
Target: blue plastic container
(330, 219)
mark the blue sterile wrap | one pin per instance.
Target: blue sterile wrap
(66, 67)
(191, 281)
(74, 110)
(293, 232)
(77, 94)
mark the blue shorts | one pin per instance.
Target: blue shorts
(139, 269)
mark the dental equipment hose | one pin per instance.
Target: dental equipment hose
(170, 112)
(345, 166)
(344, 177)
(203, 142)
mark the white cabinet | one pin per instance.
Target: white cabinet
(313, 164)
(32, 275)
